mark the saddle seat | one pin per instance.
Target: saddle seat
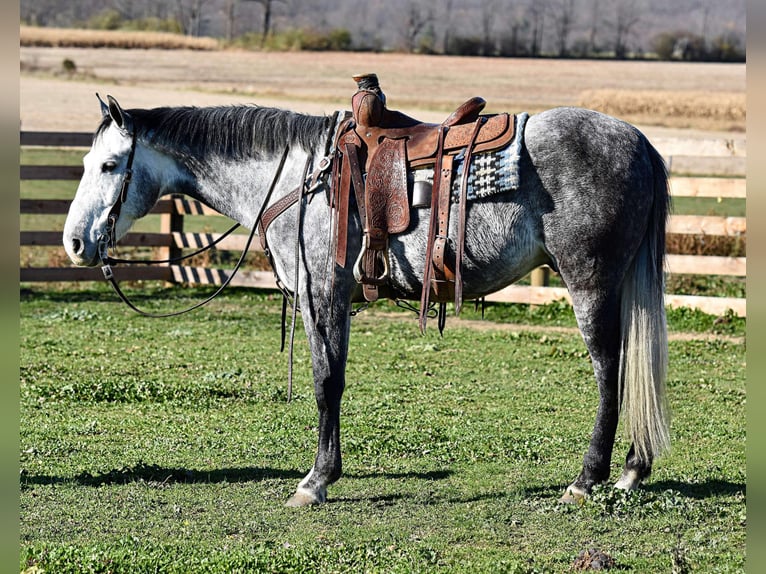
(376, 148)
(374, 121)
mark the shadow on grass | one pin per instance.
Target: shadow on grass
(102, 293)
(698, 490)
(428, 475)
(158, 475)
(154, 474)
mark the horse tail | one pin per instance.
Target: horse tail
(643, 331)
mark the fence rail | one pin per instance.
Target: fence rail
(705, 157)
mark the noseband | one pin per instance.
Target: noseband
(109, 237)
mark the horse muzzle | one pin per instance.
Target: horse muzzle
(81, 251)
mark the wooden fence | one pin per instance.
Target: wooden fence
(719, 166)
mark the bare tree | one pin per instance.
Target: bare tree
(563, 15)
(488, 11)
(267, 15)
(627, 16)
(191, 14)
(230, 18)
(536, 11)
(416, 16)
(125, 8)
(595, 19)
(446, 16)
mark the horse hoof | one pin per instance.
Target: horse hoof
(573, 495)
(630, 480)
(305, 497)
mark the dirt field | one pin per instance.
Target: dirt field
(426, 86)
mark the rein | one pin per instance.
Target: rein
(108, 239)
(266, 215)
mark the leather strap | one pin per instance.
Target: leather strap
(369, 250)
(275, 210)
(432, 229)
(443, 279)
(460, 248)
(347, 141)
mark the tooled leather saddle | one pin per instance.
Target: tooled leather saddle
(375, 150)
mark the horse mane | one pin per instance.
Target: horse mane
(233, 132)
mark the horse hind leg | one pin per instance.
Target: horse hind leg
(636, 470)
(626, 336)
(598, 318)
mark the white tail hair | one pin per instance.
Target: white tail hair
(643, 332)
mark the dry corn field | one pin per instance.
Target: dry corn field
(76, 38)
(698, 108)
(673, 95)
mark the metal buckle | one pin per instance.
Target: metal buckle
(103, 247)
(325, 163)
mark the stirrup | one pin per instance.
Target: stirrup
(359, 273)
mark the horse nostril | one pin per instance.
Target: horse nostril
(77, 246)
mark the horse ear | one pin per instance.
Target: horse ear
(104, 107)
(119, 116)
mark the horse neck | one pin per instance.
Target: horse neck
(237, 189)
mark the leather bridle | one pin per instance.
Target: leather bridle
(109, 239)
(310, 185)
(109, 236)
(266, 215)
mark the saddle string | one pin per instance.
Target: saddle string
(431, 312)
(442, 317)
(109, 275)
(298, 224)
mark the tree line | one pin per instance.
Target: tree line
(683, 29)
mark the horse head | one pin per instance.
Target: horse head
(121, 182)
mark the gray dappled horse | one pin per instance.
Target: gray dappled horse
(592, 204)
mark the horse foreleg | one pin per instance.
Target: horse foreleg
(328, 333)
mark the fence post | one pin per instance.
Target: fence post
(170, 223)
(540, 277)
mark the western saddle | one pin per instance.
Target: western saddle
(375, 149)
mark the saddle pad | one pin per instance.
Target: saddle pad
(490, 172)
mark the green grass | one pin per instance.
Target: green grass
(168, 445)
(725, 207)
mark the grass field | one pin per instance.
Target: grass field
(168, 446)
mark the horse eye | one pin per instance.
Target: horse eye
(108, 166)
